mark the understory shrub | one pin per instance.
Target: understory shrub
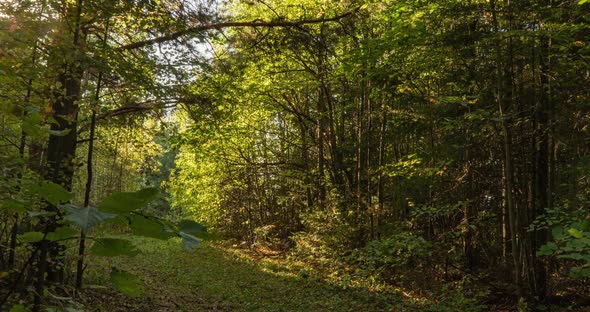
(570, 239)
(400, 251)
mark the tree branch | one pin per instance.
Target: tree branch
(221, 25)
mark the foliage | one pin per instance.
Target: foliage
(127, 283)
(385, 257)
(385, 131)
(237, 279)
(571, 242)
(88, 217)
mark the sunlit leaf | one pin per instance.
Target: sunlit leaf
(53, 193)
(31, 237)
(18, 308)
(125, 202)
(127, 283)
(575, 233)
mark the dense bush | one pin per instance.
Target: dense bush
(400, 251)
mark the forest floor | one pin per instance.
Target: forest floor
(216, 277)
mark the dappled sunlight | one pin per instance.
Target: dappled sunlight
(243, 281)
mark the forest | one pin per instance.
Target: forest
(294, 155)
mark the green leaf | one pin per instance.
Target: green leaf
(53, 193)
(62, 233)
(88, 217)
(148, 227)
(125, 202)
(547, 250)
(33, 125)
(36, 214)
(127, 283)
(70, 207)
(580, 2)
(580, 272)
(113, 247)
(13, 205)
(189, 226)
(31, 237)
(579, 243)
(189, 242)
(557, 232)
(573, 256)
(119, 220)
(575, 233)
(18, 308)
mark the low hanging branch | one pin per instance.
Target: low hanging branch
(210, 26)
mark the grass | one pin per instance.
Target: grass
(216, 278)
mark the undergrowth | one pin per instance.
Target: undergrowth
(223, 277)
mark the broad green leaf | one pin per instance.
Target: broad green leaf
(53, 193)
(36, 214)
(113, 247)
(148, 227)
(573, 256)
(120, 220)
(62, 233)
(557, 232)
(127, 283)
(18, 308)
(189, 242)
(13, 205)
(33, 125)
(70, 208)
(31, 237)
(575, 233)
(88, 217)
(579, 243)
(547, 250)
(190, 226)
(125, 202)
(580, 272)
